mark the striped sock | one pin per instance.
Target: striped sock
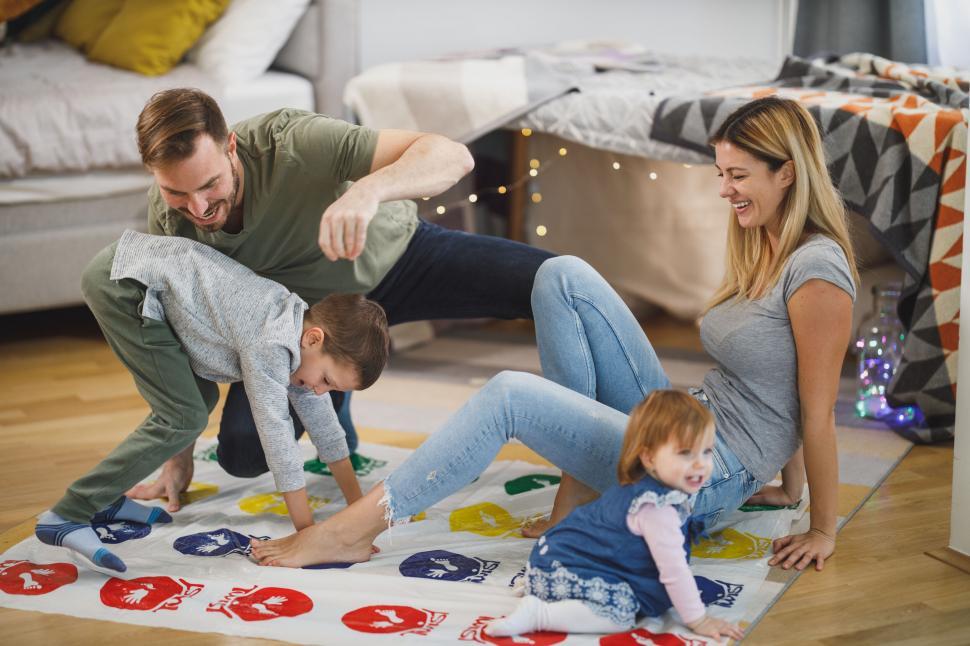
(125, 509)
(54, 530)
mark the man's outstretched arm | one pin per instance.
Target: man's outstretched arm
(406, 165)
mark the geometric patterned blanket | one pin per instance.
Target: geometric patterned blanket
(896, 144)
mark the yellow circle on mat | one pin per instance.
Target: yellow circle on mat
(485, 518)
(272, 503)
(199, 491)
(732, 544)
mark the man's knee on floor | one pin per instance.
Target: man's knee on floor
(239, 462)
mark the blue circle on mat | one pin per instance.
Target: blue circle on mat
(718, 593)
(443, 565)
(217, 542)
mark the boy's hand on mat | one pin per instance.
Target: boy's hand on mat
(716, 628)
(174, 480)
(771, 495)
(799, 550)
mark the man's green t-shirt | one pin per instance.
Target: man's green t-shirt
(295, 165)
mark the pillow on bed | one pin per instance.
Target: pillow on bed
(150, 37)
(243, 43)
(83, 22)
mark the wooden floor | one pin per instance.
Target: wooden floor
(65, 401)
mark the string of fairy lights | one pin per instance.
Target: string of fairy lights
(536, 166)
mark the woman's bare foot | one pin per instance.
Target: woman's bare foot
(347, 537)
(312, 545)
(571, 494)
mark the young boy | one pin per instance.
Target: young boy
(232, 325)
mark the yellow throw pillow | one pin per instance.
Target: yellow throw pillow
(150, 37)
(83, 21)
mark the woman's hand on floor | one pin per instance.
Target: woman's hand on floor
(771, 495)
(799, 550)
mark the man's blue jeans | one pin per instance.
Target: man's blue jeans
(598, 364)
(443, 274)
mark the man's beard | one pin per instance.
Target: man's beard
(230, 202)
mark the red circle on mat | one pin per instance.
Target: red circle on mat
(143, 593)
(385, 619)
(270, 603)
(25, 577)
(647, 637)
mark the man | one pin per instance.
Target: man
(321, 206)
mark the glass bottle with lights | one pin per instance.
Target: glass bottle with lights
(879, 344)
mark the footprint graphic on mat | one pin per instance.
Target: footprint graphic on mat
(715, 592)
(486, 519)
(443, 565)
(121, 531)
(530, 482)
(731, 544)
(273, 503)
(362, 465)
(218, 542)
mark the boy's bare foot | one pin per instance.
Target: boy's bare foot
(571, 494)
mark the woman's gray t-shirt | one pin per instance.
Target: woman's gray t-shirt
(753, 391)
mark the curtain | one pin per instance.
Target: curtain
(893, 29)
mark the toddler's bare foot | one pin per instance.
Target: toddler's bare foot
(319, 543)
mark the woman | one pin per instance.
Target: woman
(778, 328)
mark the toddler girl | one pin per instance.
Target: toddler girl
(626, 553)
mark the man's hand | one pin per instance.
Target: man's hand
(175, 479)
(343, 227)
(800, 550)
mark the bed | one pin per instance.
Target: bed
(70, 176)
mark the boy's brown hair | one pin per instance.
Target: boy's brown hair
(664, 416)
(171, 122)
(355, 332)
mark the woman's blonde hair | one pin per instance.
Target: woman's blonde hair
(664, 416)
(777, 130)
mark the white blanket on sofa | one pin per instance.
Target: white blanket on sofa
(60, 112)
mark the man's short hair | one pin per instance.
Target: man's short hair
(171, 122)
(355, 332)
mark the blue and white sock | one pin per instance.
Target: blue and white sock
(54, 530)
(125, 509)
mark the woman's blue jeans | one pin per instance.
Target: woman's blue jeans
(598, 364)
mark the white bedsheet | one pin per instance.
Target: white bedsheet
(61, 113)
(613, 111)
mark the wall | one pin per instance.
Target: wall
(392, 30)
(960, 507)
